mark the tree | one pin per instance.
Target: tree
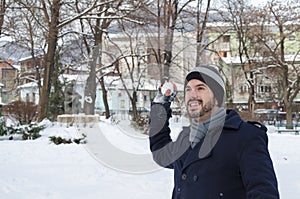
(52, 21)
(285, 19)
(249, 27)
(129, 61)
(200, 28)
(240, 18)
(3, 7)
(98, 24)
(57, 97)
(51, 18)
(102, 21)
(263, 34)
(167, 13)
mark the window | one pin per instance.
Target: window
(264, 89)
(223, 53)
(292, 38)
(122, 103)
(7, 73)
(4, 73)
(226, 38)
(244, 88)
(27, 97)
(33, 97)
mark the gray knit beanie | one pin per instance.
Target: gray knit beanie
(211, 77)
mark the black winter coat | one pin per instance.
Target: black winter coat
(238, 167)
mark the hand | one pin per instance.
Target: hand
(166, 93)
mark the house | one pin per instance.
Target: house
(8, 77)
(123, 52)
(262, 73)
(29, 92)
(31, 69)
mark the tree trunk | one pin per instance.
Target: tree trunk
(170, 17)
(134, 109)
(104, 98)
(2, 11)
(287, 100)
(251, 95)
(289, 115)
(49, 61)
(168, 37)
(90, 86)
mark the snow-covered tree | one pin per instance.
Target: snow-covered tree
(281, 25)
(3, 7)
(94, 28)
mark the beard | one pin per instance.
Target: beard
(200, 111)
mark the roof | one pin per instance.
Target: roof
(236, 60)
(12, 66)
(110, 82)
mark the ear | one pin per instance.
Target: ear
(216, 103)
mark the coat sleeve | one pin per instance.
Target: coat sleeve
(256, 166)
(164, 151)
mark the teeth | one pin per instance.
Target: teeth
(194, 103)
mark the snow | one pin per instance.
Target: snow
(114, 163)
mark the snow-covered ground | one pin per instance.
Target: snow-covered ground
(114, 163)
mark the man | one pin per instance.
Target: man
(218, 155)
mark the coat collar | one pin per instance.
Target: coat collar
(233, 121)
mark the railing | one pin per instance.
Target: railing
(282, 128)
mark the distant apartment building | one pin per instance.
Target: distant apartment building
(8, 77)
(141, 57)
(222, 52)
(263, 75)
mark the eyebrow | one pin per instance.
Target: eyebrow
(197, 85)
(200, 84)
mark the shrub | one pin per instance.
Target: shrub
(59, 140)
(27, 132)
(3, 128)
(31, 132)
(142, 123)
(23, 112)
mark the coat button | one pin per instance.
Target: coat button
(221, 195)
(184, 176)
(178, 189)
(195, 178)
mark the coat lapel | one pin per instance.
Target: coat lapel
(194, 155)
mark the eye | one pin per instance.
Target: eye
(199, 88)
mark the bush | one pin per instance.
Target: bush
(3, 128)
(23, 112)
(31, 132)
(59, 140)
(27, 132)
(142, 123)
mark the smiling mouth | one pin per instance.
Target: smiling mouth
(194, 103)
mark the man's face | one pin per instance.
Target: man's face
(199, 99)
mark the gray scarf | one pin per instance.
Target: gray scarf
(211, 128)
